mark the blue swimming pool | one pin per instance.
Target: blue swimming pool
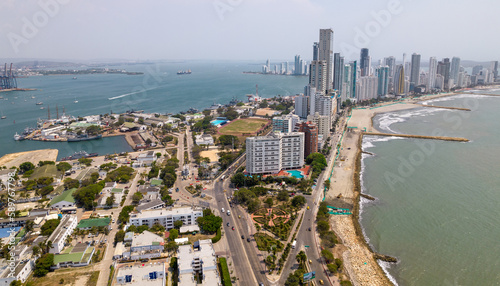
(217, 122)
(4, 232)
(296, 174)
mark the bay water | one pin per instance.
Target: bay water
(158, 89)
(437, 208)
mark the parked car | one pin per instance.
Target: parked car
(248, 239)
(227, 224)
(233, 227)
(242, 237)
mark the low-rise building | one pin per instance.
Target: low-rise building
(22, 271)
(80, 255)
(64, 200)
(166, 217)
(63, 230)
(152, 274)
(146, 159)
(204, 139)
(200, 259)
(144, 246)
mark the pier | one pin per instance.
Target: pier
(444, 138)
(444, 107)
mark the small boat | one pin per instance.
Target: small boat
(184, 72)
(74, 77)
(76, 101)
(42, 107)
(3, 117)
(18, 137)
(39, 103)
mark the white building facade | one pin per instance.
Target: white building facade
(166, 217)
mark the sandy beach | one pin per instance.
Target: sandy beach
(359, 261)
(15, 159)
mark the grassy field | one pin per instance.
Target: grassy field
(226, 278)
(243, 126)
(45, 171)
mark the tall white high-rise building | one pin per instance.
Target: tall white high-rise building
(431, 83)
(325, 53)
(302, 106)
(323, 123)
(318, 76)
(367, 88)
(272, 153)
(285, 123)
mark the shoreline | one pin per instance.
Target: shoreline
(370, 272)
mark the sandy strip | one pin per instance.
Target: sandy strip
(15, 159)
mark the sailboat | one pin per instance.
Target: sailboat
(3, 116)
(76, 101)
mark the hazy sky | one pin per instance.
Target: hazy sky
(246, 29)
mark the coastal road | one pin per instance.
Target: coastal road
(310, 238)
(244, 258)
(110, 249)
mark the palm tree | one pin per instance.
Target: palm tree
(36, 250)
(301, 258)
(42, 246)
(49, 246)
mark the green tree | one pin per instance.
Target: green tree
(301, 259)
(85, 161)
(64, 166)
(136, 197)
(49, 226)
(110, 200)
(323, 226)
(210, 223)
(178, 224)
(26, 166)
(327, 255)
(332, 268)
(269, 202)
(173, 234)
(16, 283)
(125, 214)
(43, 264)
(283, 196)
(298, 201)
(119, 236)
(70, 183)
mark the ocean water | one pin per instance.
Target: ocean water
(437, 205)
(159, 89)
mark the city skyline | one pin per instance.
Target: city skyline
(240, 30)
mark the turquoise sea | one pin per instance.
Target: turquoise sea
(159, 89)
(437, 207)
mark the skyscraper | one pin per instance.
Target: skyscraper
(364, 62)
(399, 81)
(354, 72)
(338, 72)
(391, 63)
(455, 69)
(443, 69)
(325, 53)
(431, 83)
(494, 69)
(318, 76)
(383, 81)
(415, 70)
(302, 106)
(315, 51)
(297, 67)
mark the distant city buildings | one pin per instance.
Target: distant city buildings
(364, 62)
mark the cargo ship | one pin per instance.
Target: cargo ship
(184, 72)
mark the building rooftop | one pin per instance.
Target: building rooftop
(149, 205)
(61, 228)
(91, 222)
(147, 238)
(66, 196)
(163, 212)
(140, 274)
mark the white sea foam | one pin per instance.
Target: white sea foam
(135, 92)
(387, 119)
(385, 267)
(459, 96)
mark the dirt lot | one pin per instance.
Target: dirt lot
(15, 159)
